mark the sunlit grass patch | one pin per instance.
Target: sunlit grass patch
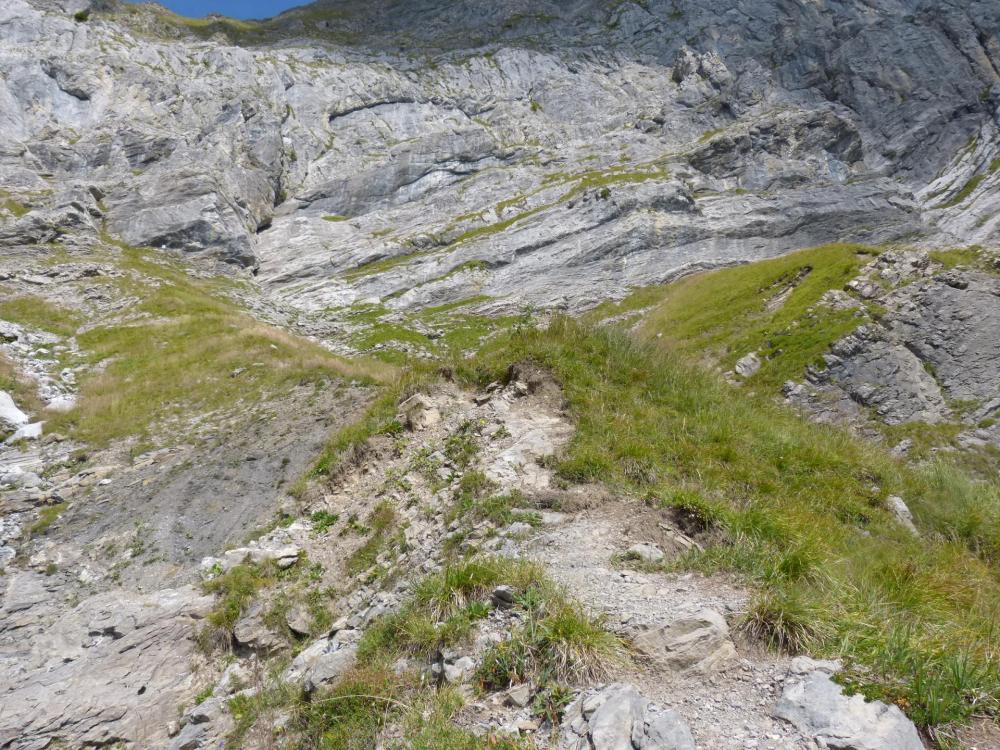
(768, 307)
(188, 349)
(37, 312)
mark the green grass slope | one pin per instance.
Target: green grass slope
(796, 509)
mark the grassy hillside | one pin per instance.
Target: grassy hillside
(769, 307)
(176, 346)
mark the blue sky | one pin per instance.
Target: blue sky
(234, 8)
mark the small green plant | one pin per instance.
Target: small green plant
(462, 446)
(551, 702)
(235, 590)
(46, 517)
(323, 520)
(82, 16)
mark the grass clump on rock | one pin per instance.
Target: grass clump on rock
(445, 606)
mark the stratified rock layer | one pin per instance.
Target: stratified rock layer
(551, 156)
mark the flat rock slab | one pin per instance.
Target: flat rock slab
(817, 706)
(111, 670)
(696, 644)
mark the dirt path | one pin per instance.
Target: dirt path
(724, 709)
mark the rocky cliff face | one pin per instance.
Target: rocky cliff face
(546, 155)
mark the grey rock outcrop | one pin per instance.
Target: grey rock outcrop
(817, 706)
(933, 356)
(111, 669)
(618, 717)
(325, 660)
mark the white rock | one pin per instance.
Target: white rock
(648, 553)
(62, 403)
(322, 662)
(748, 365)
(804, 665)
(618, 717)
(28, 432)
(459, 670)
(10, 416)
(902, 514)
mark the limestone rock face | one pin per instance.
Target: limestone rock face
(934, 348)
(112, 669)
(551, 159)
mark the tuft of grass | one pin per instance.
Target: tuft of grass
(500, 510)
(781, 621)
(46, 517)
(235, 590)
(462, 583)
(462, 446)
(558, 643)
(323, 520)
(430, 726)
(444, 607)
(380, 522)
(353, 714)
(414, 632)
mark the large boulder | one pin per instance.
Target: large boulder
(693, 644)
(817, 707)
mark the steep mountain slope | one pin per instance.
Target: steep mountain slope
(441, 151)
(298, 450)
